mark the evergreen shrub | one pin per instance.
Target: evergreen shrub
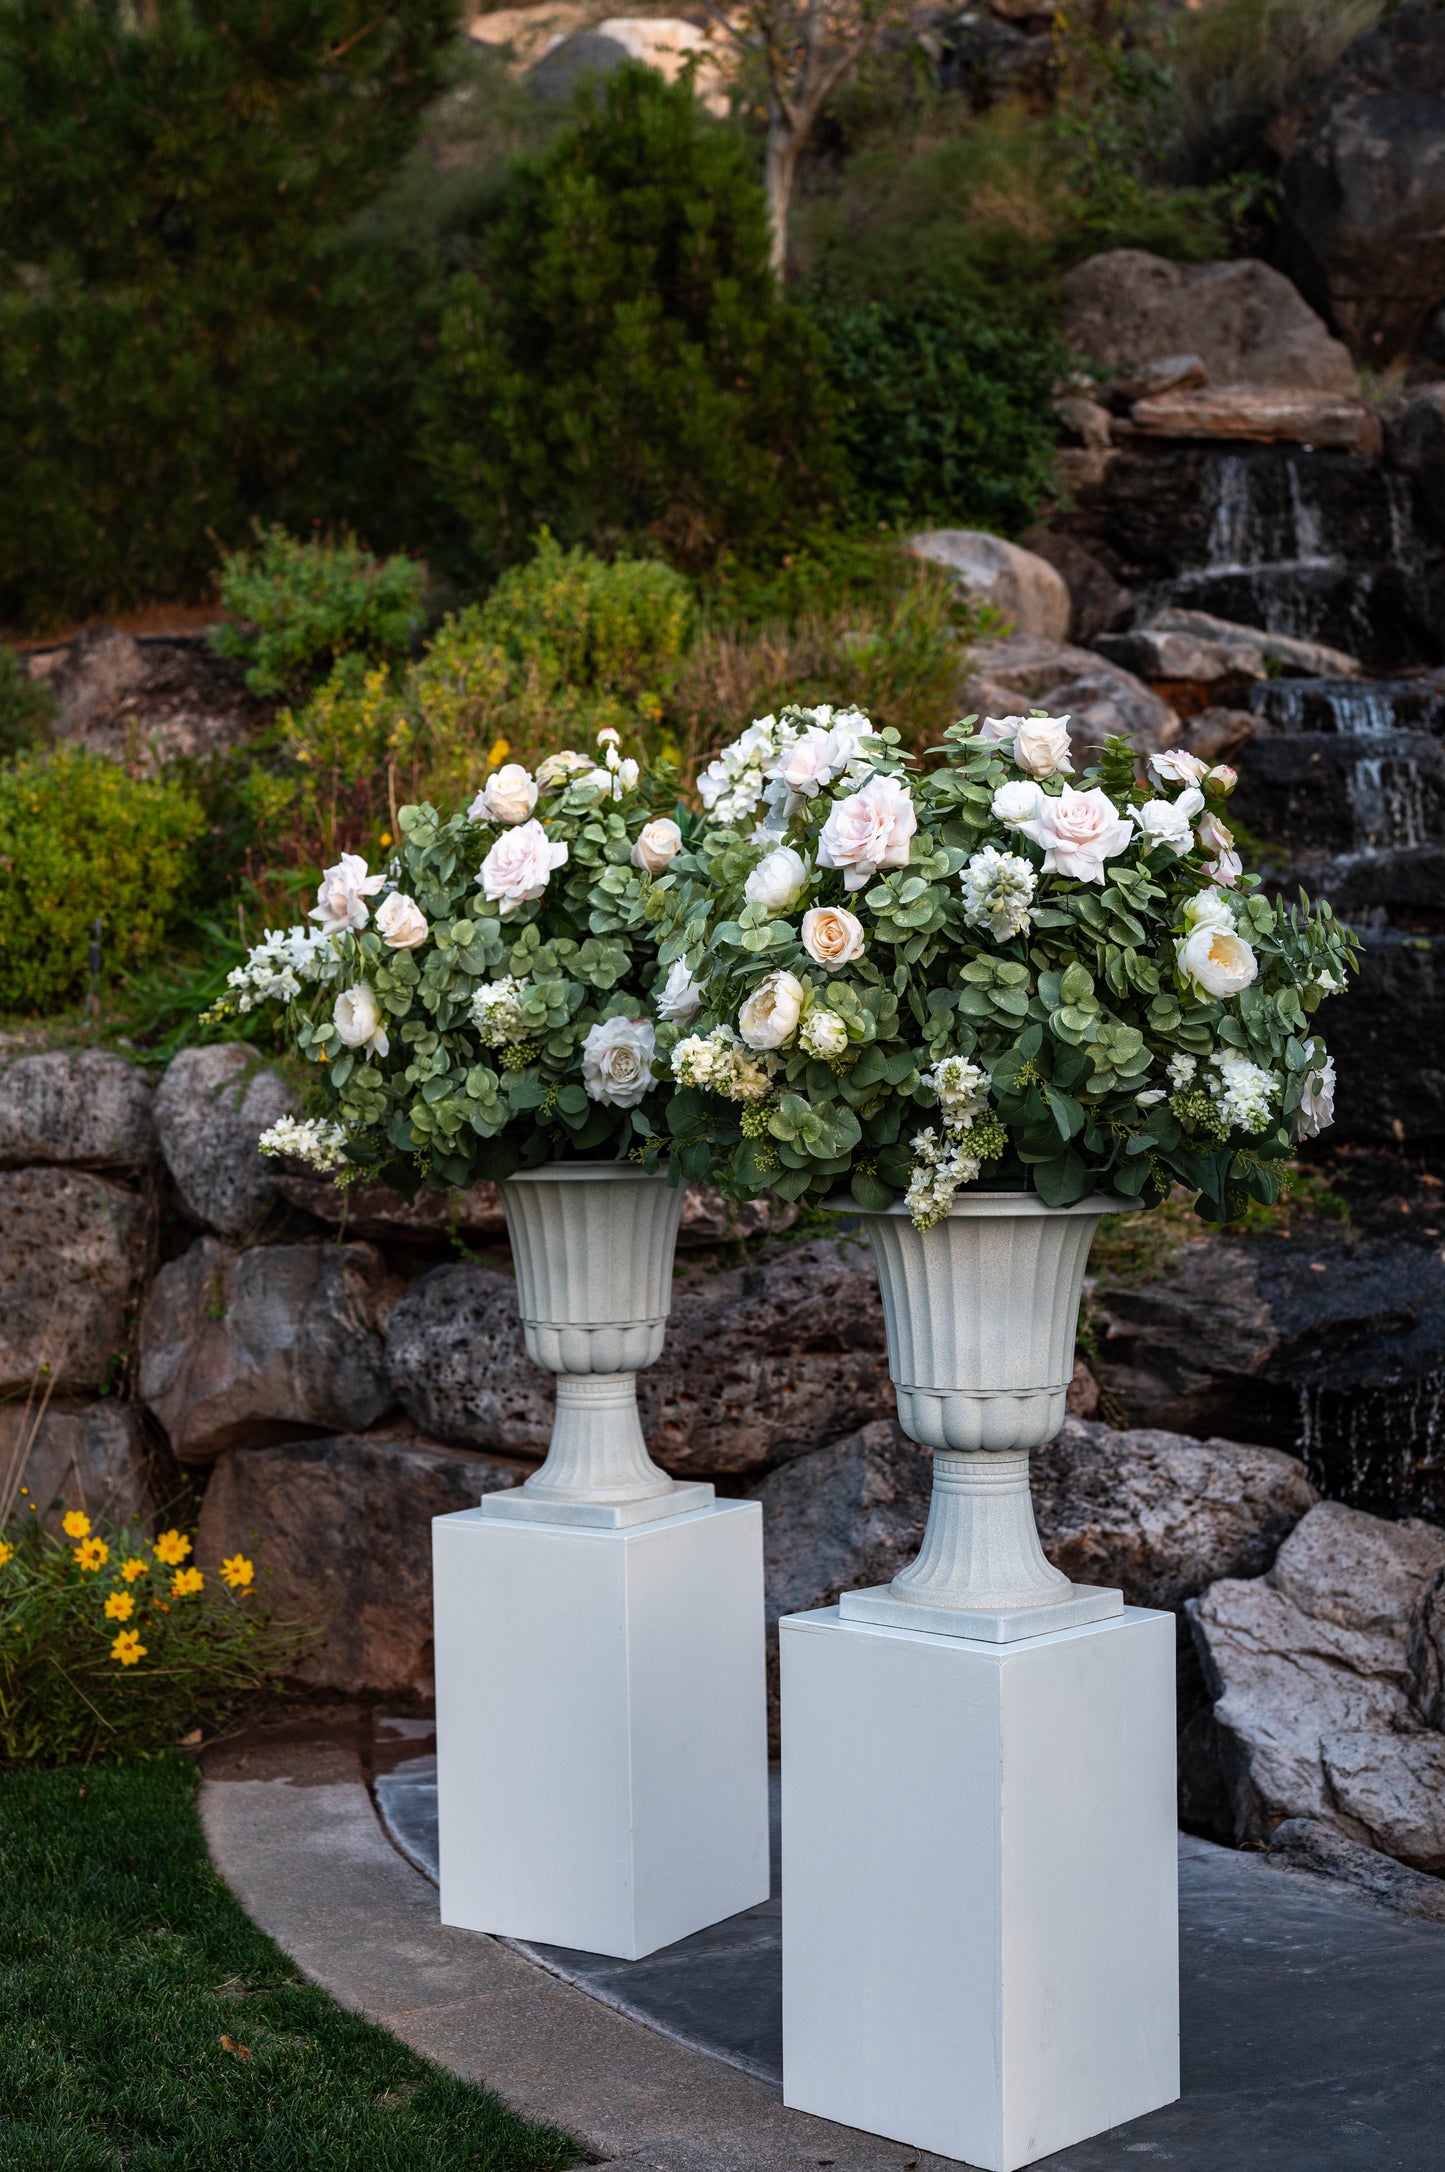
(297, 607)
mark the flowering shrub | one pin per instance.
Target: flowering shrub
(110, 1643)
(491, 1000)
(908, 979)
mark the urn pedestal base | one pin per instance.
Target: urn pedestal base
(880, 1603)
(602, 1774)
(980, 1936)
(517, 1505)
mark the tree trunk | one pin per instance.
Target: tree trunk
(780, 166)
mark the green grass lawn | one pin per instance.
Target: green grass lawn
(146, 2023)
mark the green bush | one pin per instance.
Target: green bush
(298, 607)
(26, 707)
(624, 367)
(81, 841)
(570, 620)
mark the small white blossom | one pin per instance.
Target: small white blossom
(961, 1087)
(1317, 1102)
(1243, 1092)
(1181, 1071)
(941, 1163)
(997, 889)
(496, 1012)
(281, 964)
(1150, 1098)
(720, 1062)
(680, 998)
(306, 1138)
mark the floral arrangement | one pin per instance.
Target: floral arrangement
(999, 968)
(111, 1643)
(492, 999)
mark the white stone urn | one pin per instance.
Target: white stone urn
(593, 1244)
(981, 1312)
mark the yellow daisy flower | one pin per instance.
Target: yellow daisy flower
(119, 1606)
(133, 1568)
(171, 1548)
(186, 1581)
(92, 1553)
(497, 753)
(7, 1552)
(237, 1571)
(76, 1525)
(128, 1648)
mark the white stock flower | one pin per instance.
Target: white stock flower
(940, 1165)
(658, 844)
(870, 829)
(778, 880)
(681, 997)
(769, 1018)
(519, 866)
(997, 889)
(509, 795)
(1216, 962)
(496, 1013)
(1042, 746)
(1317, 1102)
(281, 964)
(310, 1139)
(962, 1090)
(1079, 831)
(719, 1061)
(1181, 1070)
(401, 923)
(356, 1015)
(1017, 803)
(617, 1061)
(1176, 768)
(1169, 821)
(1243, 1092)
(832, 936)
(341, 899)
(823, 1032)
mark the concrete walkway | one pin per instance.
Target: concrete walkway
(1314, 2022)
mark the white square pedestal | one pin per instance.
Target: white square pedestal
(980, 1902)
(602, 1775)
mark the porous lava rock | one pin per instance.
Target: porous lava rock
(93, 1459)
(72, 1246)
(211, 1107)
(80, 1106)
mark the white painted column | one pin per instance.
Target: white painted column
(601, 1726)
(980, 1914)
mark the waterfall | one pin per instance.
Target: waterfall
(1387, 796)
(1254, 525)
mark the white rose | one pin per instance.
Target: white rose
(832, 936)
(681, 997)
(658, 844)
(823, 1033)
(1221, 780)
(617, 1061)
(1209, 909)
(1017, 803)
(1169, 821)
(809, 764)
(1317, 1102)
(1216, 962)
(356, 1015)
(1079, 831)
(1217, 839)
(341, 899)
(1042, 745)
(778, 880)
(557, 768)
(509, 795)
(518, 866)
(1001, 731)
(869, 830)
(770, 1016)
(1178, 768)
(401, 922)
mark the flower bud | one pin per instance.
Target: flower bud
(1221, 780)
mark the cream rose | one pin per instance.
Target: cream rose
(519, 866)
(778, 880)
(341, 899)
(1216, 962)
(1042, 746)
(658, 844)
(832, 936)
(769, 1018)
(1176, 768)
(356, 1015)
(1221, 781)
(1168, 821)
(869, 830)
(1079, 831)
(1001, 731)
(809, 764)
(509, 795)
(681, 996)
(401, 922)
(617, 1061)
(1017, 803)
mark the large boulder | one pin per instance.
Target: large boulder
(1415, 446)
(211, 1107)
(1244, 321)
(1024, 589)
(1425, 1653)
(666, 44)
(1097, 602)
(239, 1349)
(1307, 1666)
(456, 1364)
(94, 1459)
(71, 1248)
(146, 701)
(340, 1532)
(75, 1106)
(1363, 190)
(1102, 699)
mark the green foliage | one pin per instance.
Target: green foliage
(569, 621)
(623, 367)
(26, 707)
(297, 607)
(130, 1969)
(80, 841)
(1235, 66)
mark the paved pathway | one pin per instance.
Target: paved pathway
(1314, 2022)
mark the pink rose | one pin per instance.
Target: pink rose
(519, 866)
(1079, 831)
(869, 830)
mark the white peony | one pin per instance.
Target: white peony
(617, 1061)
(341, 899)
(1042, 746)
(823, 1032)
(869, 830)
(401, 922)
(1317, 1102)
(1017, 803)
(778, 880)
(832, 936)
(658, 844)
(1209, 909)
(519, 866)
(1079, 831)
(356, 1014)
(1176, 768)
(509, 795)
(1169, 821)
(681, 997)
(1216, 962)
(769, 1018)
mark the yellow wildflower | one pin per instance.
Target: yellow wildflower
(186, 1581)
(92, 1553)
(384, 840)
(237, 1571)
(133, 1568)
(76, 1525)
(119, 1606)
(171, 1548)
(7, 1552)
(128, 1648)
(497, 753)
